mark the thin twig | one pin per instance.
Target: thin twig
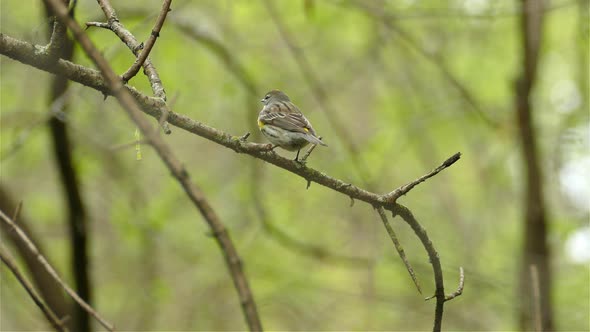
(398, 247)
(459, 290)
(98, 25)
(17, 210)
(244, 137)
(51, 292)
(307, 153)
(132, 71)
(49, 314)
(397, 193)
(195, 194)
(33, 249)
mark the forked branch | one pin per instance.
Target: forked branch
(33, 249)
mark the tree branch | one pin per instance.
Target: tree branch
(33, 249)
(459, 290)
(394, 195)
(398, 247)
(132, 71)
(439, 293)
(49, 289)
(51, 317)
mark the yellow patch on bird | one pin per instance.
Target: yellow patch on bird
(260, 124)
(306, 130)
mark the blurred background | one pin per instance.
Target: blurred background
(393, 87)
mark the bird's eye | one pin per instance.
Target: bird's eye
(267, 96)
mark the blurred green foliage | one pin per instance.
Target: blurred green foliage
(154, 264)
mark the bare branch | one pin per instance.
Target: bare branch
(17, 210)
(459, 290)
(33, 249)
(51, 317)
(397, 193)
(308, 152)
(132, 71)
(439, 294)
(98, 25)
(398, 247)
(48, 288)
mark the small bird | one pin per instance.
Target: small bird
(284, 125)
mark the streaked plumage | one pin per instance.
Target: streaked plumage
(284, 125)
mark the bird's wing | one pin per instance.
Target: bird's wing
(292, 120)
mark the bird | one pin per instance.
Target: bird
(283, 124)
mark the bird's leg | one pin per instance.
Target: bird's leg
(271, 147)
(297, 156)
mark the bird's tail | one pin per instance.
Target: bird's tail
(314, 140)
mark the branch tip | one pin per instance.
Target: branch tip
(459, 290)
(244, 137)
(307, 153)
(452, 159)
(17, 210)
(397, 193)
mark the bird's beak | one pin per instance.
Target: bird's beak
(262, 100)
